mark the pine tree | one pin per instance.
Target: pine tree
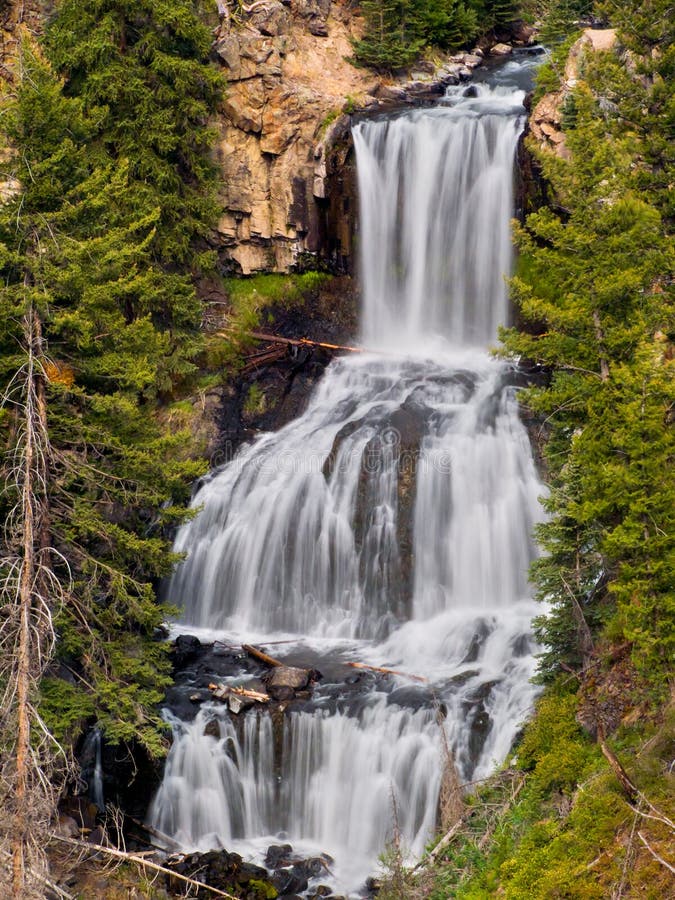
(388, 42)
(143, 65)
(396, 32)
(78, 247)
(500, 12)
(596, 290)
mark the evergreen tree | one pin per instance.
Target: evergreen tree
(500, 12)
(596, 290)
(78, 247)
(396, 32)
(144, 66)
(389, 42)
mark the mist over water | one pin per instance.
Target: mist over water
(391, 523)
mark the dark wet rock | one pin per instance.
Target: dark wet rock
(281, 693)
(212, 728)
(411, 696)
(289, 881)
(282, 682)
(478, 720)
(225, 871)
(461, 678)
(521, 645)
(322, 890)
(471, 91)
(186, 649)
(477, 641)
(278, 855)
(312, 867)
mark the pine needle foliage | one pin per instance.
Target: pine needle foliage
(396, 32)
(144, 65)
(597, 296)
(85, 242)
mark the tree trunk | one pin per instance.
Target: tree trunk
(26, 582)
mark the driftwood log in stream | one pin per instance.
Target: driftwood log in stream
(261, 656)
(223, 691)
(383, 671)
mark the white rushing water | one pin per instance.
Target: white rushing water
(391, 523)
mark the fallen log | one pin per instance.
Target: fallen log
(360, 665)
(263, 657)
(166, 841)
(93, 849)
(223, 691)
(292, 342)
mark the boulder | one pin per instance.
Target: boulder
(212, 729)
(501, 50)
(318, 27)
(243, 105)
(247, 55)
(522, 33)
(186, 648)
(278, 855)
(311, 868)
(289, 881)
(271, 18)
(227, 872)
(287, 677)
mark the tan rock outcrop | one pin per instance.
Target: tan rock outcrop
(287, 80)
(546, 118)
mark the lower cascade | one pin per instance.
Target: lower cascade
(391, 525)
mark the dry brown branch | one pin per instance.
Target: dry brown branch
(383, 671)
(291, 342)
(451, 802)
(139, 860)
(42, 879)
(223, 691)
(627, 861)
(260, 655)
(656, 856)
(489, 831)
(441, 845)
(31, 594)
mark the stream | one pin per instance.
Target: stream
(390, 524)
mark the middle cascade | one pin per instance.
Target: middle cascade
(390, 523)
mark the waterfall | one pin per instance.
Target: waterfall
(436, 198)
(391, 523)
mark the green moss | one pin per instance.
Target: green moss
(554, 746)
(250, 301)
(264, 889)
(255, 402)
(328, 120)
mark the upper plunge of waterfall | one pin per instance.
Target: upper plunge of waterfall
(436, 198)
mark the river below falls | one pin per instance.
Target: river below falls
(390, 524)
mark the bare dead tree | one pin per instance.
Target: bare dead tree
(31, 593)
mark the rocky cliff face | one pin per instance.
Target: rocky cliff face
(288, 85)
(546, 119)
